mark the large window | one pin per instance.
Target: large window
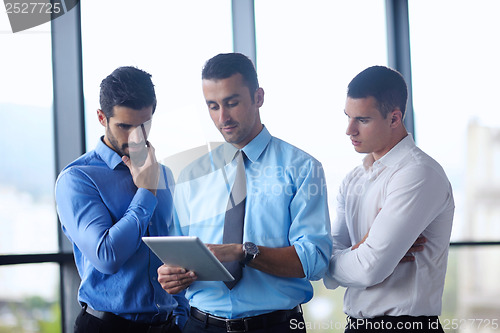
(455, 79)
(169, 39)
(307, 53)
(28, 293)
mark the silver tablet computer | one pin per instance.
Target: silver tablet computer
(189, 252)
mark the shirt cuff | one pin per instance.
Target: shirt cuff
(314, 264)
(145, 199)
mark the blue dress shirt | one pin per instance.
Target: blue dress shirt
(286, 205)
(105, 215)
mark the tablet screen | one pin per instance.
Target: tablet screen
(190, 253)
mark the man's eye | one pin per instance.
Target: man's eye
(232, 104)
(213, 107)
(124, 127)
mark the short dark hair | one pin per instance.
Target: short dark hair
(127, 86)
(386, 85)
(225, 65)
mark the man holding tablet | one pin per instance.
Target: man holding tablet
(260, 204)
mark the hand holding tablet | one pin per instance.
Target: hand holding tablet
(190, 253)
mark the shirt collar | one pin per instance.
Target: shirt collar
(254, 148)
(108, 155)
(398, 152)
(392, 157)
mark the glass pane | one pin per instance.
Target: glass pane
(169, 39)
(26, 306)
(455, 73)
(471, 295)
(325, 312)
(27, 212)
(305, 63)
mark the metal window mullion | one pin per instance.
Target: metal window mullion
(398, 49)
(243, 17)
(69, 134)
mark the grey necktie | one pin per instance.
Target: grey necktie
(234, 219)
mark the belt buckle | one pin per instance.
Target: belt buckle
(231, 329)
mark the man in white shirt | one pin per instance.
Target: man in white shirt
(399, 194)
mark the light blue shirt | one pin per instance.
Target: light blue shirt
(286, 205)
(105, 215)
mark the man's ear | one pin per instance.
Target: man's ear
(259, 97)
(396, 118)
(102, 117)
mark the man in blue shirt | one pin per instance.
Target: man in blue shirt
(107, 200)
(286, 234)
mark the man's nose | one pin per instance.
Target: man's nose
(351, 128)
(224, 115)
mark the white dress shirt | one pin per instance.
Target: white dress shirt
(397, 198)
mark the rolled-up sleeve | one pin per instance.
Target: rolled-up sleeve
(310, 225)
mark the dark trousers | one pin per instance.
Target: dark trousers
(295, 324)
(87, 323)
(394, 324)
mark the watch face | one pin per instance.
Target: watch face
(251, 248)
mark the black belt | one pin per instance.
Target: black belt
(118, 321)
(248, 323)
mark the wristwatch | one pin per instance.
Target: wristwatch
(251, 251)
